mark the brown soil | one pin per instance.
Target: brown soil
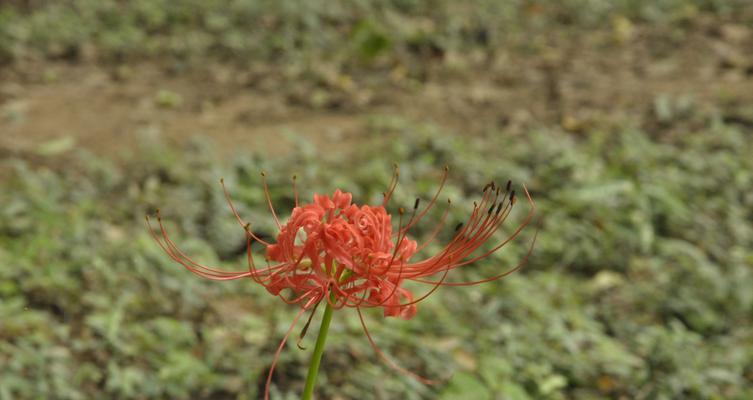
(575, 84)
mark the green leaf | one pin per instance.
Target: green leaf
(56, 146)
(465, 386)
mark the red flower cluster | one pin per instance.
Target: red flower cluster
(349, 255)
(335, 250)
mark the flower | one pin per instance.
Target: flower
(349, 255)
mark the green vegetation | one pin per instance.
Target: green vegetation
(342, 33)
(639, 285)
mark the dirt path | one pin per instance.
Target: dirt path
(106, 114)
(105, 108)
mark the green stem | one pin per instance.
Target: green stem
(316, 358)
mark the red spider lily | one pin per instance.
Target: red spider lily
(349, 255)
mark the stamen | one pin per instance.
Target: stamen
(392, 186)
(437, 229)
(295, 191)
(269, 199)
(387, 360)
(279, 350)
(176, 254)
(517, 267)
(468, 240)
(525, 223)
(235, 212)
(432, 202)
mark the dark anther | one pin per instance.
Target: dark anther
(401, 210)
(509, 183)
(499, 208)
(486, 187)
(263, 173)
(512, 196)
(492, 185)
(491, 208)
(415, 205)
(458, 226)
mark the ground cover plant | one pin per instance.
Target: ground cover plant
(354, 33)
(636, 150)
(641, 275)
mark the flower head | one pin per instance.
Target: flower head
(350, 255)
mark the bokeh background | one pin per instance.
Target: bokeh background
(631, 122)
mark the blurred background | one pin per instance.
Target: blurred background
(631, 122)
